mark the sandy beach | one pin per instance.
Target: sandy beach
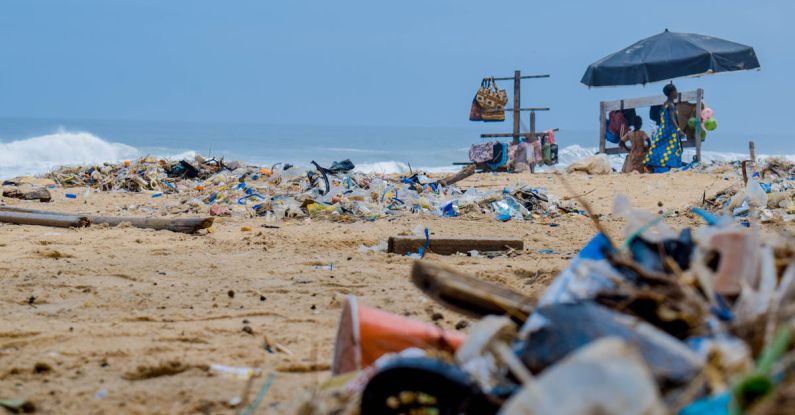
(108, 320)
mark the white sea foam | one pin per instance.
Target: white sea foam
(397, 167)
(39, 154)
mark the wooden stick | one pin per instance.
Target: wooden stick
(467, 294)
(449, 246)
(58, 221)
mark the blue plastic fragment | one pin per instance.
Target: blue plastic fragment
(713, 405)
(708, 217)
(722, 311)
(596, 248)
(171, 185)
(242, 200)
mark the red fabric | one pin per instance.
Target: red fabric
(616, 122)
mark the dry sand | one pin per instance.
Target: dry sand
(125, 320)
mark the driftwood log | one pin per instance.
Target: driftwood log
(469, 295)
(56, 220)
(457, 177)
(449, 246)
(46, 218)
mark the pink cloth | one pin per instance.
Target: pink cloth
(550, 136)
(539, 155)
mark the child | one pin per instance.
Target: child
(639, 141)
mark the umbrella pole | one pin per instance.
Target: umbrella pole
(699, 106)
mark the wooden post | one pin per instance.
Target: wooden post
(517, 80)
(533, 126)
(602, 127)
(699, 106)
(752, 151)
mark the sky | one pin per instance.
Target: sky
(366, 62)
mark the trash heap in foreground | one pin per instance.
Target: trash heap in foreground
(698, 321)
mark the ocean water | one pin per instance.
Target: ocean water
(33, 146)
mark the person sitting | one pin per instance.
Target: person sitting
(638, 140)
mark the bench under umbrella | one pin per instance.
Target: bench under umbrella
(669, 55)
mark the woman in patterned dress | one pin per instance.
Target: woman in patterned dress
(665, 151)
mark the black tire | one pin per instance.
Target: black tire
(451, 390)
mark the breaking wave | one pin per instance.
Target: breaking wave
(42, 153)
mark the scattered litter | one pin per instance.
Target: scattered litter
(18, 406)
(239, 373)
(381, 246)
(228, 188)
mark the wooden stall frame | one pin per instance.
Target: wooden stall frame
(517, 110)
(606, 106)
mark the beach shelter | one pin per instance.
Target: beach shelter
(663, 57)
(669, 55)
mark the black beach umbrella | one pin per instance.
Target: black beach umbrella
(669, 55)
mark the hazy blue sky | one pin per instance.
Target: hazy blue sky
(365, 62)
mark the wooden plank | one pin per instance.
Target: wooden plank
(645, 101)
(449, 246)
(520, 109)
(538, 134)
(699, 105)
(602, 127)
(621, 150)
(510, 78)
(517, 104)
(469, 295)
(41, 219)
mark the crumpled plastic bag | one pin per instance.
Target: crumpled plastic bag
(607, 376)
(598, 164)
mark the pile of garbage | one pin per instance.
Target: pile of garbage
(285, 191)
(770, 193)
(698, 321)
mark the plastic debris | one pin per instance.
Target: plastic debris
(598, 164)
(607, 376)
(283, 191)
(239, 373)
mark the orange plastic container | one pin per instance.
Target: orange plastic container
(365, 333)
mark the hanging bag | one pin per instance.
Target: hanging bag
(492, 100)
(475, 113)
